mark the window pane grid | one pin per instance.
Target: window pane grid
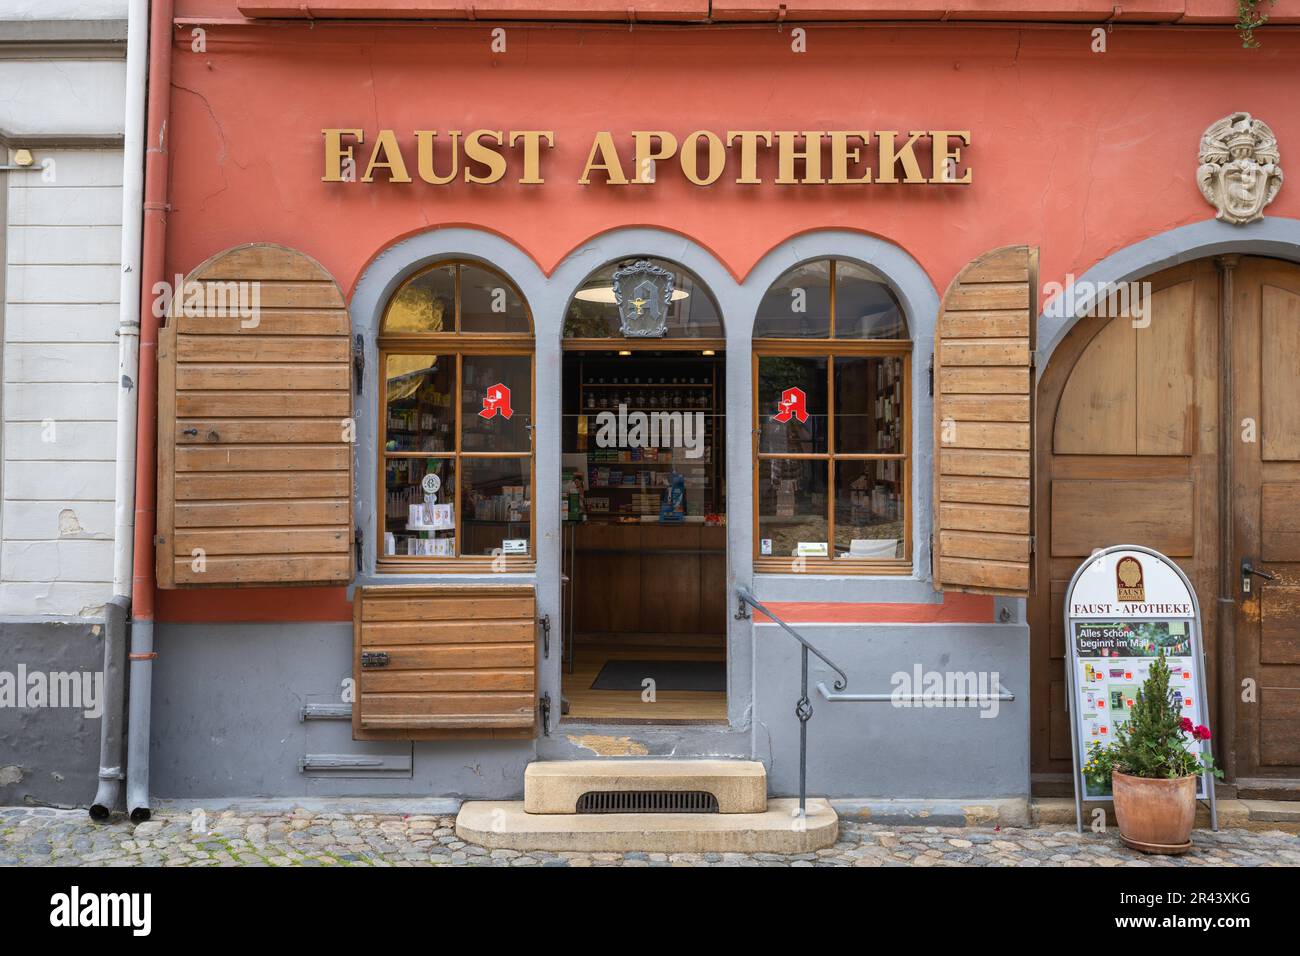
(460, 496)
(425, 406)
(874, 499)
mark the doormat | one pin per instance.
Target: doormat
(667, 675)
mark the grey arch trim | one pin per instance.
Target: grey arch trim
(609, 247)
(548, 298)
(920, 302)
(1274, 236)
(377, 283)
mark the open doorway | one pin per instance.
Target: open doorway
(643, 488)
(644, 512)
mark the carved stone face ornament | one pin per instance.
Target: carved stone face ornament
(1240, 168)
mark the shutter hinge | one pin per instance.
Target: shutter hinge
(545, 622)
(358, 538)
(544, 706)
(931, 376)
(159, 539)
(1032, 544)
(358, 362)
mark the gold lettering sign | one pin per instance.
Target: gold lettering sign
(702, 157)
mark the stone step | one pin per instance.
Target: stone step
(504, 825)
(554, 786)
(1243, 814)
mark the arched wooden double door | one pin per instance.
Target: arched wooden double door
(1128, 452)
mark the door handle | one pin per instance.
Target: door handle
(1247, 571)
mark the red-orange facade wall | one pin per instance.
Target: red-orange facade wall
(1078, 152)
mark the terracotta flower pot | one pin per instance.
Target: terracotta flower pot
(1155, 815)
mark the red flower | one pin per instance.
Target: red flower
(1186, 726)
(1201, 732)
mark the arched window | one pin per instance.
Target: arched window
(456, 469)
(832, 373)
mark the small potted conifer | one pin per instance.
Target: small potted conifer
(1151, 771)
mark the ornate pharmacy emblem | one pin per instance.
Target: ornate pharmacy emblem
(1240, 168)
(1129, 585)
(642, 292)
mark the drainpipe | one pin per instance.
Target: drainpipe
(152, 273)
(128, 360)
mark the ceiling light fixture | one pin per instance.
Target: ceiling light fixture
(605, 295)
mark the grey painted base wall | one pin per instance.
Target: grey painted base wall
(49, 755)
(227, 700)
(876, 749)
(226, 706)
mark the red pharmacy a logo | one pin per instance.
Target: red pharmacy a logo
(793, 402)
(497, 400)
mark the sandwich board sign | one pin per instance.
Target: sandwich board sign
(1126, 604)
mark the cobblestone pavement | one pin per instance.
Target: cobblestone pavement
(44, 837)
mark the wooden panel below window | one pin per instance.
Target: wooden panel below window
(461, 662)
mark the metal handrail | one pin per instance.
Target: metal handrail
(803, 709)
(748, 598)
(891, 698)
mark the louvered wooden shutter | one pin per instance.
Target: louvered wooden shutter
(444, 662)
(254, 409)
(983, 425)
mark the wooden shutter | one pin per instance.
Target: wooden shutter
(983, 425)
(254, 453)
(444, 662)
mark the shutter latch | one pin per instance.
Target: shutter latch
(544, 706)
(545, 622)
(358, 362)
(374, 658)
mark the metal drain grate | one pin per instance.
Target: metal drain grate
(647, 801)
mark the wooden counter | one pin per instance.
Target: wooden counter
(648, 579)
